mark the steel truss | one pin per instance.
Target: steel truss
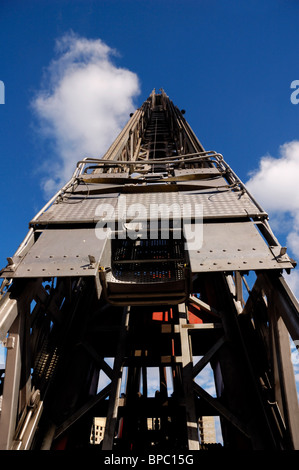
(108, 271)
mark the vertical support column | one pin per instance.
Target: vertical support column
(8, 313)
(131, 145)
(285, 387)
(163, 383)
(11, 387)
(116, 384)
(187, 366)
(144, 379)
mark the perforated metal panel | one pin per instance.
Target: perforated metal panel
(215, 204)
(222, 203)
(77, 209)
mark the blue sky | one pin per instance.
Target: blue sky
(229, 64)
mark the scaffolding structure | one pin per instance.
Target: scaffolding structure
(154, 256)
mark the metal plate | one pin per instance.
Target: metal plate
(147, 206)
(96, 175)
(63, 253)
(215, 204)
(221, 203)
(205, 177)
(205, 172)
(77, 209)
(232, 246)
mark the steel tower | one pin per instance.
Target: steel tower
(152, 258)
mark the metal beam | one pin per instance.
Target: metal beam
(187, 366)
(9, 412)
(114, 396)
(284, 380)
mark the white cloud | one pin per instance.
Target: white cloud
(275, 187)
(275, 182)
(84, 105)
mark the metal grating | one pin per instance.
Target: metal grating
(146, 273)
(147, 261)
(152, 250)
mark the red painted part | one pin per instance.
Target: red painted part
(163, 316)
(61, 443)
(194, 314)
